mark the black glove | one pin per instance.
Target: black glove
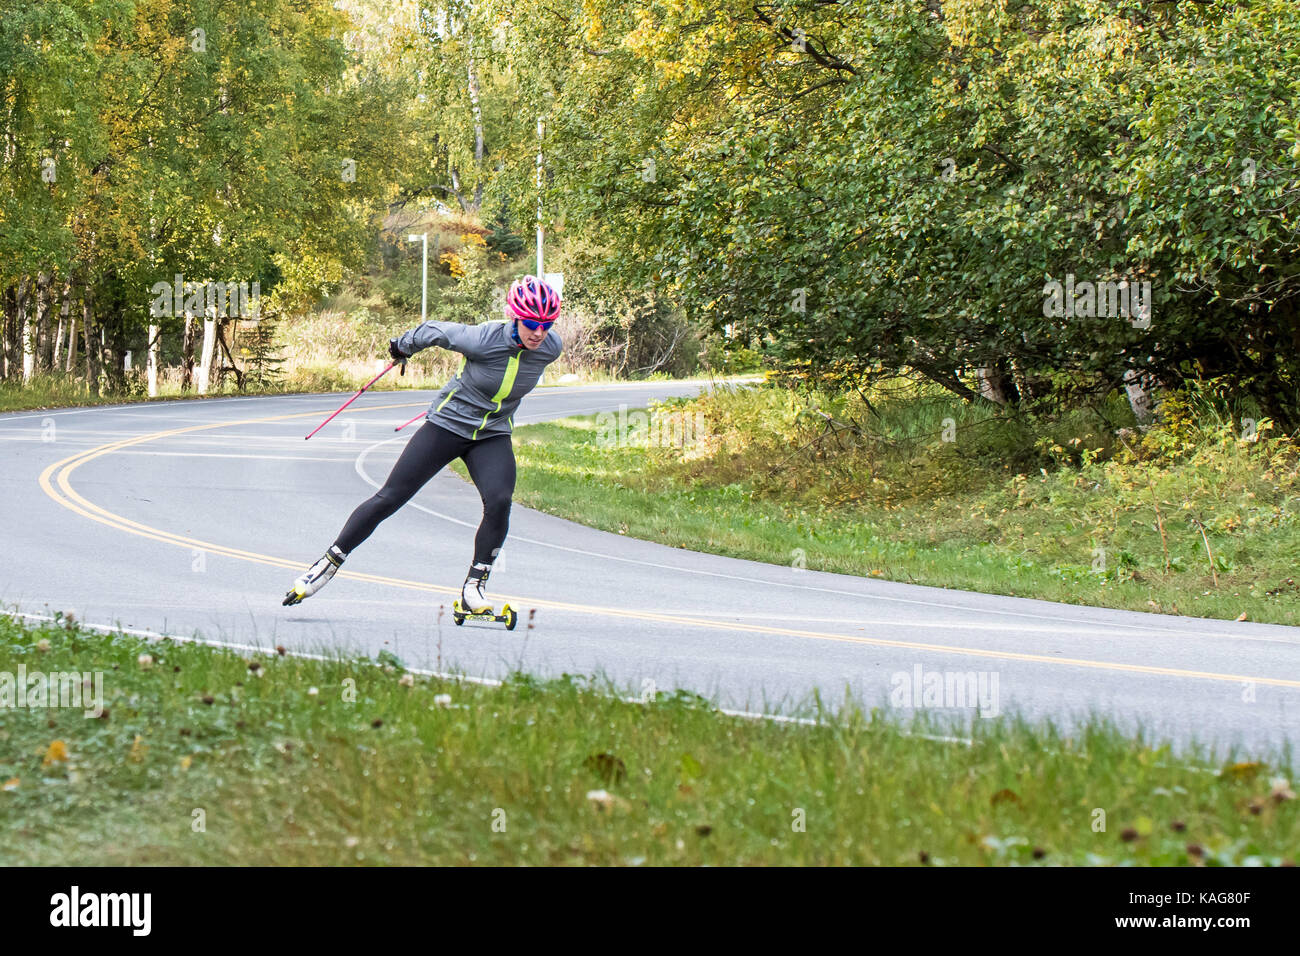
(398, 355)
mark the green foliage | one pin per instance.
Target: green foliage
(470, 296)
(319, 378)
(633, 333)
(724, 357)
(896, 442)
(263, 357)
(401, 287)
(150, 138)
(502, 237)
(895, 184)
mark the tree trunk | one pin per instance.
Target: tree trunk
(56, 353)
(91, 335)
(187, 354)
(8, 329)
(1138, 387)
(29, 343)
(113, 354)
(234, 366)
(455, 189)
(155, 335)
(996, 385)
(1029, 386)
(472, 75)
(72, 331)
(205, 364)
(478, 114)
(44, 353)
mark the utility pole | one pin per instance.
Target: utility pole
(541, 130)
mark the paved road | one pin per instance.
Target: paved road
(194, 517)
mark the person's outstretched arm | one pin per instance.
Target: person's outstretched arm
(455, 336)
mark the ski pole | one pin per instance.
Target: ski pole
(415, 419)
(356, 396)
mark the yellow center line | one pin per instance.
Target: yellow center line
(61, 472)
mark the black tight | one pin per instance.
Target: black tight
(491, 465)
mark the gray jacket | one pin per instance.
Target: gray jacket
(496, 371)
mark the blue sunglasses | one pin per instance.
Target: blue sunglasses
(536, 324)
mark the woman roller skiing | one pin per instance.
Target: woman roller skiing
(471, 419)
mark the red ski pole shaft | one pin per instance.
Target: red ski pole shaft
(352, 399)
(415, 419)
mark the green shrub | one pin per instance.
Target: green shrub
(318, 378)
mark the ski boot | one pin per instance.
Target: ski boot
(474, 605)
(316, 577)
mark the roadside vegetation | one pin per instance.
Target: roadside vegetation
(203, 755)
(342, 342)
(1198, 514)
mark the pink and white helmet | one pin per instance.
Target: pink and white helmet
(531, 298)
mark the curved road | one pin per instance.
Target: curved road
(195, 516)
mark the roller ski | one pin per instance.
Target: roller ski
(317, 577)
(473, 604)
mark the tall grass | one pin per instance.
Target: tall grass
(207, 756)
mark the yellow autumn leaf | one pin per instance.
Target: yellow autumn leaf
(138, 749)
(56, 752)
(1242, 771)
(186, 761)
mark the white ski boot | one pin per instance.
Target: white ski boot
(472, 598)
(316, 577)
(473, 603)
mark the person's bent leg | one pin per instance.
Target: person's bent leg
(491, 466)
(426, 454)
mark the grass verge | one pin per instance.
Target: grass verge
(1195, 521)
(207, 756)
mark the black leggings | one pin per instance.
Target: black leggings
(491, 464)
